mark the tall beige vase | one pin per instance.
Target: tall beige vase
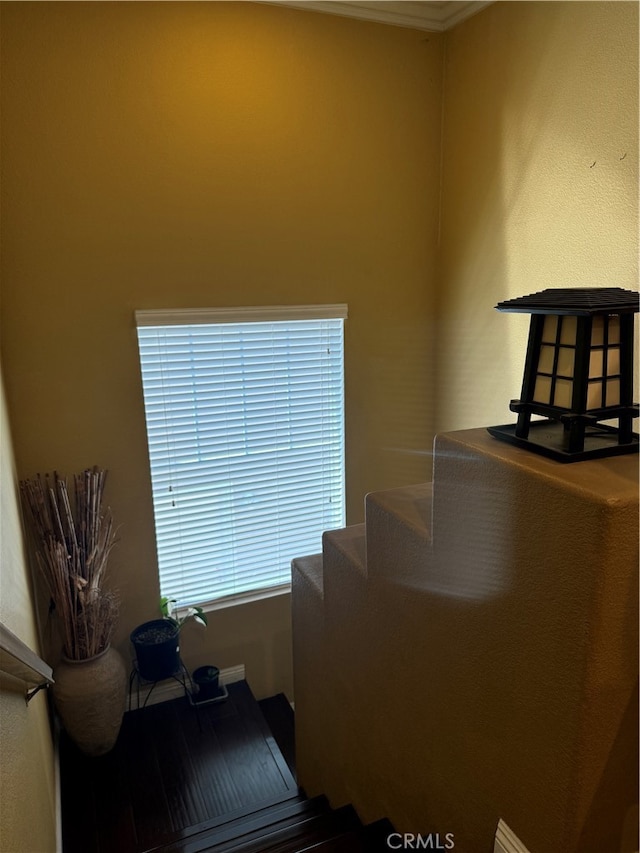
(90, 697)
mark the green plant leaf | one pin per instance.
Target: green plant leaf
(198, 615)
(166, 606)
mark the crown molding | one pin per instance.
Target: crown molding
(414, 14)
(454, 12)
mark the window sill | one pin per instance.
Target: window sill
(237, 600)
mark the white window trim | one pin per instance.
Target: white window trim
(254, 314)
(239, 599)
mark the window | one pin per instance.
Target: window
(245, 424)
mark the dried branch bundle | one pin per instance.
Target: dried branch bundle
(72, 551)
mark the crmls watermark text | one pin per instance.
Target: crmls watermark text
(410, 841)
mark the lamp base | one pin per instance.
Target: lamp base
(547, 438)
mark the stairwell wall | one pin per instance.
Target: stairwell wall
(539, 183)
(27, 770)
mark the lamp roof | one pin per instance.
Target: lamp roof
(575, 300)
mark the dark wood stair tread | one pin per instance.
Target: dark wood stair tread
(232, 828)
(296, 837)
(294, 825)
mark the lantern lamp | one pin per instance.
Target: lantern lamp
(578, 373)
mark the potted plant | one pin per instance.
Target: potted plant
(157, 643)
(73, 537)
(206, 680)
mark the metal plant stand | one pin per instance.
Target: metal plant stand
(181, 676)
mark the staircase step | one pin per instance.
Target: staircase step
(298, 837)
(369, 839)
(375, 835)
(345, 564)
(292, 826)
(398, 523)
(310, 570)
(351, 542)
(410, 504)
(227, 828)
(283, 835)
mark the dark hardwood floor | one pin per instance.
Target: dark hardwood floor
(174, 767)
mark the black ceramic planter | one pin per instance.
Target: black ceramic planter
(206, 679)
(157, 649)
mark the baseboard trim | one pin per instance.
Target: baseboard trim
(507, 841)
(169, 689)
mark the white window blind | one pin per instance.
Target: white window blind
(245, 425)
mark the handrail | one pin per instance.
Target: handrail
(19, 661)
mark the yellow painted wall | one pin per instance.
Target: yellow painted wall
(176, 155)
(27, 778)
(540, 183)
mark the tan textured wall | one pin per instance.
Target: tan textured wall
(27, 779)
(539, 183)
(161, 155)
(492, 669)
